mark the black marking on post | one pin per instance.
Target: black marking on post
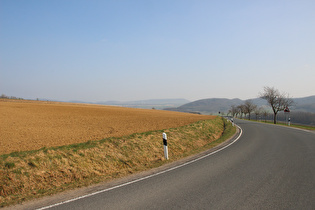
(165, 142)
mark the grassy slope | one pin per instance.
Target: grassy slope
(27, 175)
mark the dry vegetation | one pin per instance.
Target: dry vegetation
(29, 125)
(137, 146)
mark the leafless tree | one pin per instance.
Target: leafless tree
(276, 100)
(249, 107)
(234, 110)
(242, 110)
(265, 113)
(3, 96)
(258, 111)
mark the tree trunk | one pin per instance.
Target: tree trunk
(275, 118)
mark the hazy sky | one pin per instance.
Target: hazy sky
(152, 49)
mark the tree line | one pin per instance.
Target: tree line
(297, 117)
(3, 96)
(276, 100)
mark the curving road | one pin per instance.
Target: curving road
(269, 167)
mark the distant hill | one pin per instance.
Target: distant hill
(148, 104)
(208, 106)
(215, 105)
(204, 106)
(306, 104)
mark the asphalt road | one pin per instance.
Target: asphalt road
(269, 167)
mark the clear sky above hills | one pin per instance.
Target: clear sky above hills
(135, 50)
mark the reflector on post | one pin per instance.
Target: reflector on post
(165, 146)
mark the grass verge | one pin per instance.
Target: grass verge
(32, 174)
(306, 127)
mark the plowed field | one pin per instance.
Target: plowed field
(29, 125)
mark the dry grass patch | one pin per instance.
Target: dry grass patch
(25, 175)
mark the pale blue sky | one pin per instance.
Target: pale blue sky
(134, 50)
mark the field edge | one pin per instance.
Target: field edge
(213, 133)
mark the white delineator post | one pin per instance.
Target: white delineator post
(165, 146)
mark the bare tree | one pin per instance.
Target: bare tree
(249, 107)
(276, 100)
(3, 96)
(242, 110)
(258, 111)
(265, 114)
(233, 110)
